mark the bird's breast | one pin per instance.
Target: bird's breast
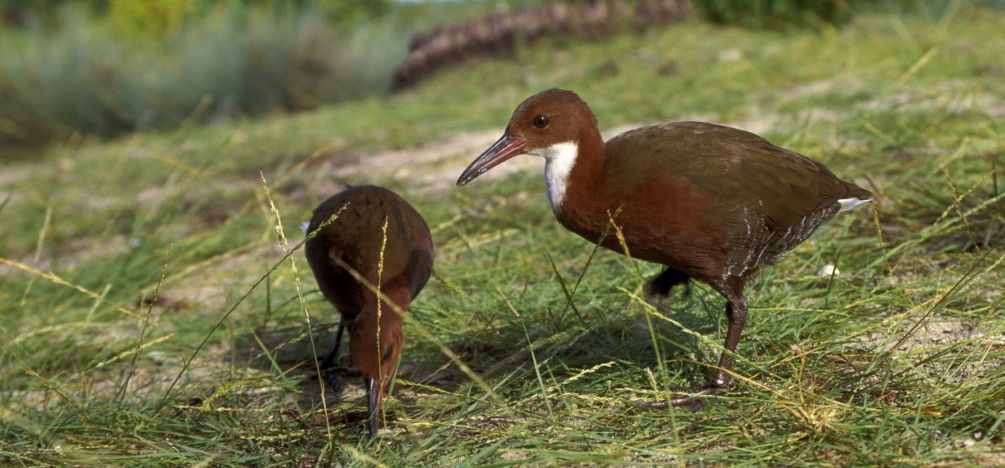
(657, 221)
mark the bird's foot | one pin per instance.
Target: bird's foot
(694, 400)
(334, 361)
(332, 380)
(330, 376)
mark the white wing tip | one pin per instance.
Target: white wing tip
(851, 203)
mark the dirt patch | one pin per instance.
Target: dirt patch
(931, 334)
(429, 167)
(817, 88)
(204, 286)
(928, 336)
(931, 339)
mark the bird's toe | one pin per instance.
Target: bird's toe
(694, 400)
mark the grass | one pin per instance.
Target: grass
(895, 361)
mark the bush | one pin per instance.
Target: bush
(118, 72)
(149, 19)
(775, 13)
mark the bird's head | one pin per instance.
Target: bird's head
(541, 125)
(375, 346)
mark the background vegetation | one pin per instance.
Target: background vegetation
(118, 258)
(105, 68)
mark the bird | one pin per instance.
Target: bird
(360, 240)
(708, 202)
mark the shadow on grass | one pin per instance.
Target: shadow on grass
(569, 344)
(506, 354)
(287, 352)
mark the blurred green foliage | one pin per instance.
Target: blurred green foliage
(149, 19)
(784, 14)
(166, 16)
(347, 10)
(104, 68)
(774, 13)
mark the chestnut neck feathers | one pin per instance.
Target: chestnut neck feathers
(376, 335)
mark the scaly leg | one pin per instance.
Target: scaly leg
(332, 357)
(736, 313)
(329, 365)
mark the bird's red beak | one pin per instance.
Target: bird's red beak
(503, 149)
(374, 406)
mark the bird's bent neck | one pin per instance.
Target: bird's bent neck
(395, 300)
(371, 337)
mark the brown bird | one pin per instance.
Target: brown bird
(378, 240)
(709, 202)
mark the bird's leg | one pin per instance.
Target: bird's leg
(736, 313)
(329, 366)
(332, 357)
(666, 280)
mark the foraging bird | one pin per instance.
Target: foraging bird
(708, 202)
(375, 240)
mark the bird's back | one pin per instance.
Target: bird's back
(755, 199)
(355, 240)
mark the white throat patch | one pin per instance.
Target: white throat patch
(558, 161)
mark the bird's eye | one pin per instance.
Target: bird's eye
(387, 353)
(541, 121)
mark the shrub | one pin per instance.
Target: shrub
(149, 19)
(775, 13)
(95, 76)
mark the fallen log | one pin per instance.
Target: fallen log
(498, 33)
